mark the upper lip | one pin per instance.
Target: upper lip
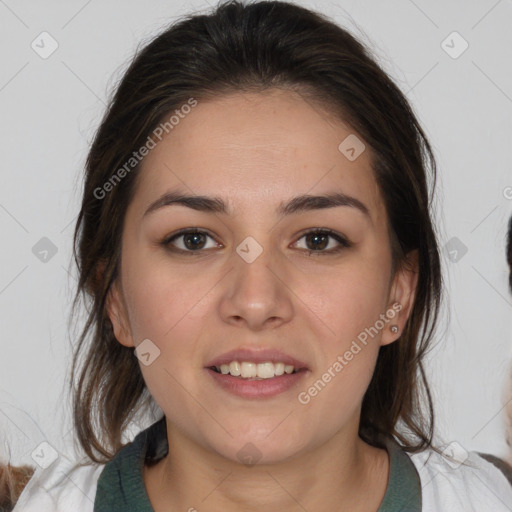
(256, 356)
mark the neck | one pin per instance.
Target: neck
(337, 474)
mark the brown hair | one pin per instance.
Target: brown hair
(254, 47)
(13, 480)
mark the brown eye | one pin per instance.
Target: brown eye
(190, 241)
(324, 241)
(194, 241)
(317, 241)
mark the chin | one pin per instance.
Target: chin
(261, 449)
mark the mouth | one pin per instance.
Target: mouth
(256, 374)
(255, 371)
(255, 364)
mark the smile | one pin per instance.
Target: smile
(247, 370)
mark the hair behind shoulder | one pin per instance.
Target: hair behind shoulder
(13, 480)
(254, 47)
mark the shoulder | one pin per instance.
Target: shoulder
(467, 483)
(62, 487)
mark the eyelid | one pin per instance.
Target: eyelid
(167, 241)
(342, 240)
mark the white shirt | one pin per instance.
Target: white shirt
(446, 486)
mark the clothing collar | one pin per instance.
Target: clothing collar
(121, 487)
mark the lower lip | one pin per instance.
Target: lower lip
(264, 388)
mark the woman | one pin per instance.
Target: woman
(256, 242)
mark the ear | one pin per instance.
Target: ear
(401, 297)
(117, 312)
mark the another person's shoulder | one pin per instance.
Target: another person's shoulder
(468, 483)
(62, 487)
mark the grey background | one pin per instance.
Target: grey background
(51, 107)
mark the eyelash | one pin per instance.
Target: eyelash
(343, 242)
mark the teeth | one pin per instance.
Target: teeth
(235, 369)
(247, 370)
(279, 368)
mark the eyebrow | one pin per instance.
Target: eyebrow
(297, 204)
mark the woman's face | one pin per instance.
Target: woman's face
(254, 280)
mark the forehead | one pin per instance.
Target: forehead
(258, 148)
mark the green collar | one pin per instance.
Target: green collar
(121, 487)
(404, 487)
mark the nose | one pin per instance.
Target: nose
(255, 293)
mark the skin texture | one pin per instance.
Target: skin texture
(257, 150)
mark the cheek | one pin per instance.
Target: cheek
(162, 302)
(348, 299)
(349, 302)
(168, 308)
(346, 389)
